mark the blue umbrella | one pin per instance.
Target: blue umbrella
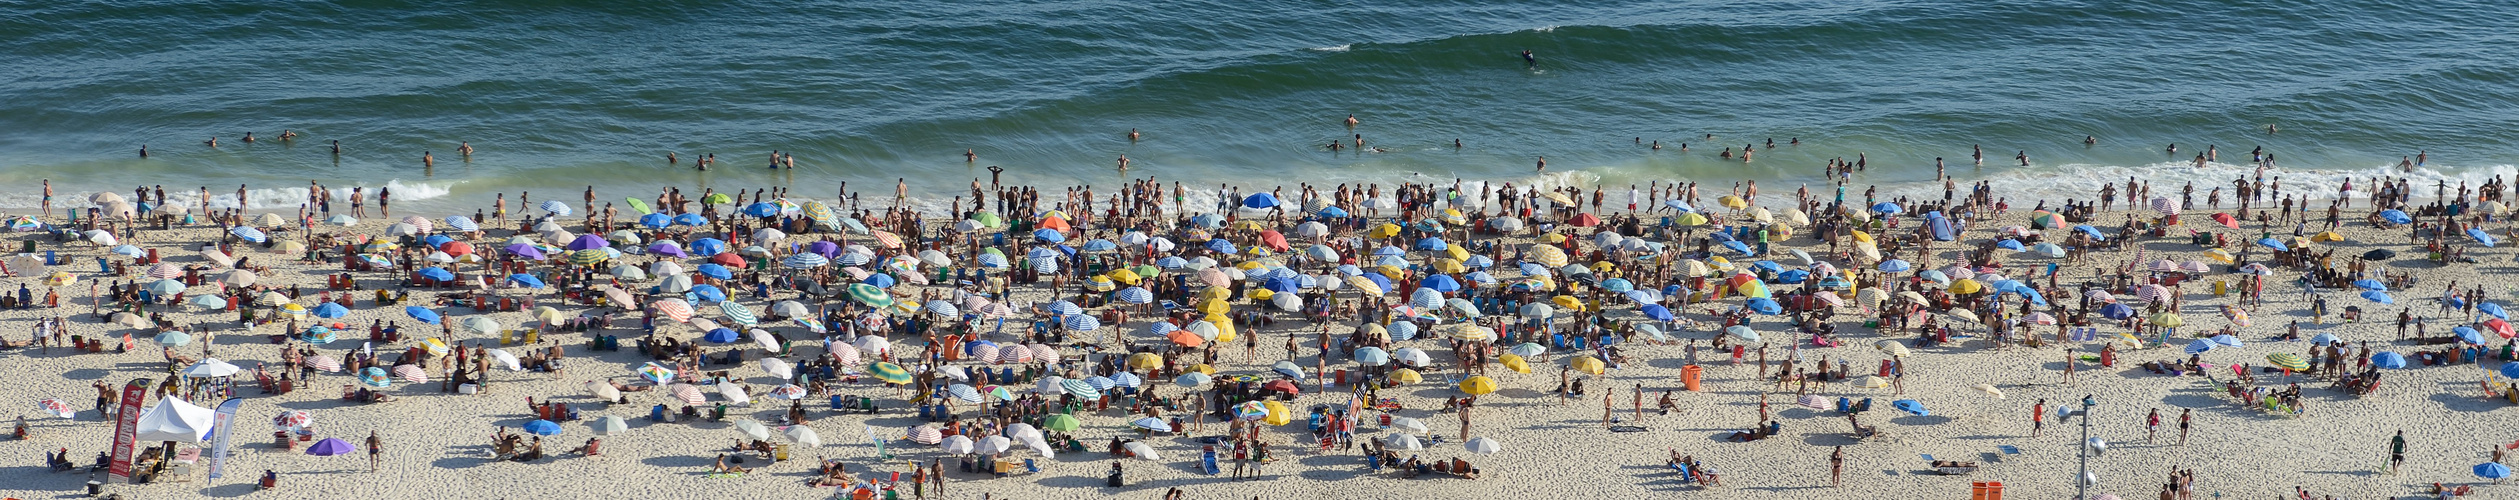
(1657, 312)
(525, 280)
(2492, 470)
(1281, 285)
(2200, 345)
(2010, 244)
(1912, 407)
(1432, 244)
(1887, 208)
(715, 271)
(721, 335)
(330, 310)
(1763, 305)
(1219, 245)
(2117, 311)
(436, 240)
(1332, 213)
(1678, 205)
(2388, 360)
(2480, 236)
(462, 223)
(1441, 283)
(1402, 330)
(1379, 280)
(881, 281)
(543, 428)
(1895, 266)
(2092, 231)
(1793, 277)
(2464, 331)
(761, 209)
(2378, 296)
(1099, 245)
(708, 247)
(2510, 369)
(555, 207)
(247, 233)
(1064, 308)
(1138, 295)
(2493, 309)
(2370, 284)
(993, 261)
(1261, 200)
(708, 293)
(1048, 235)
(2395, 216)
(437, 274)
(2275, 244)
(1737, 246)
(655, 221)
(690, 219)
(421, 313)
(2472, 337)
(1207, 221)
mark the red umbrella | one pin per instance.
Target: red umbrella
(456, 248)
(1286, 386)
(2226, 220)
(1584, 220)
(1274, 240)
(729, 259)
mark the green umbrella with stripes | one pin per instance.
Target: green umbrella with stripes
(869, 295)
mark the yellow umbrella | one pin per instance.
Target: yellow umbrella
(1689, 219)
(1125, 276)
(1447, 265)
(1795, 216)
(1214, 306)
(1385, 230)
(1553, 238)
(1604, 266)
(1732, 202)
(1203, 368)
(1588, 364)
(1214, 292)
(1568, 303)
(548, 314)
(60, 278)
(1407, 376)
(1515, 362)
(1862, 237)
(1390, 271)
(1247, 265)
(1261, 294)
(1145, 361)
(1364, 286)
(1455, 252)
(1101, 284)
(1277, 413)
(1964, 286)
(1224, 332)
(1453, 216)
(2220, 255)
(1761, 214)
(2328, 236)
(1871, 382)
(1548, 256)
(1478, 385)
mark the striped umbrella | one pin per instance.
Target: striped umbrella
(1014, 354)
(820, 213)
(1080, 389)
(672, 308)
(655, 373)
(887, 239)
(1082, 323)
(589, 257)
(55, 407)
(1045, 353)
(889, 372)
(870, 295)
(687, 393)
(737, 312)
(2288, 361)
(411, 373)
(805, 261)
(324, 363)
(1136, 295)
(844, 353)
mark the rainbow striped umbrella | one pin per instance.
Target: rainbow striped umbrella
(2288, 361)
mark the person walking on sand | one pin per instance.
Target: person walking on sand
(1837, 467)
(375, 451)
(2038, 418)
(1606, 409)
(2151, 426)
(2186, 419)
(2396, 451)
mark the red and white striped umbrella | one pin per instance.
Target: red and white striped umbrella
(927, 434)
(687, 393)
(887, 239)
(323, 363)
(55, 407)
(2042, 318)
(293, 419)
(1045, 353)
(412, 373)
(842, 352)
(672, 308)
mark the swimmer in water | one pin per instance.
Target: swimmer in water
(1529, 59)
(970, 156)
(1543, 164)
(336, 147)
(2090, 140)
(427, 160)
(1351, 120)
(285, 134)
(213, 142)
(1132, 133)
(1456, 143)
(465, 149)
(144, 151)
(1123, 163)
(249, 137)
(2173, 148)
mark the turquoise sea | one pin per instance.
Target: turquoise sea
(559, 95)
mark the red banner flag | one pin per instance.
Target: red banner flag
(127, 430)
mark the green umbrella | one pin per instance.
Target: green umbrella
(588, 257)
(889, 372)
(717, 199)
(1059, 422)
(989, 219)
(869, 295)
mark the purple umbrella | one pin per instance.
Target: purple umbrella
(824, 248)
(667, 248)
(526, 251)
(330, 447)
(588, 242)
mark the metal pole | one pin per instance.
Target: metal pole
(2081, 481)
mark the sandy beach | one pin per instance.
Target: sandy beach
(440, 444)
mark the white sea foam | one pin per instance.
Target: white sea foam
(1332, 48)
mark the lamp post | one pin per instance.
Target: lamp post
(2081, 481)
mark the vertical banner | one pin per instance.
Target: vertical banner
(127, 430)
(222, 426)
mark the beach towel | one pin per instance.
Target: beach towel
(1626, 428)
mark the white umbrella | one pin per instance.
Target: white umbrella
(752, 428)
(778, 368)
(1483, 446)
(609, 425)
(1410, 425)
(210, 367)
(1405, 442)
(734, 393)
(506, 358)
(1142, 450)
(994, 445)
(959, 445)
(603, 390)
(804, 436)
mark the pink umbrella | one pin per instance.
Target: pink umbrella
(165, 271)
(984, 352)
(2097, 295)
(2196, 266)
(1045, 353)
(687, 393)
(1814, 402)
(844, 353)
(411, 373)
(2151, 293)
(2164, 265)
(927, 434)
(672, 308)
(1958, 272)
(2042, 318)
(1831, 298)
(1014, 354)
(323, 363)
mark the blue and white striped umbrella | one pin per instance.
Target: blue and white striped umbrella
(737, 312)
(994, 261)
(852, 259)
(557, 208)
(462, 223)
(1083, 323)
(1136, 295)
(805, 261)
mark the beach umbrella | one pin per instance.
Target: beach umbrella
(1989, 389)
(1911, 406)
(2378, 296)
(375, 377)
(2287, 361)
(2226, 340)
(752, 428)
(328, 447)
(2388, 360)
(1871, 382)
(2492, 470)
(888, 372)
(543, 428)
(173, 338)
(421, 313)
(1478, 385)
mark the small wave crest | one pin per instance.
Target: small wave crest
(1333, 48)
(2083, 181)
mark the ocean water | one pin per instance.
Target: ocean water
(561, 95)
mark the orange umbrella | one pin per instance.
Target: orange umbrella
(1274, 240)
(2226, 220)
(1185, 338)
(1584, 220)
(1054, 222)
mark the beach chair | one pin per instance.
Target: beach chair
(1034, 468)
(1207, 462)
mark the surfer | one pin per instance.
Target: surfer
(1528, 59)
